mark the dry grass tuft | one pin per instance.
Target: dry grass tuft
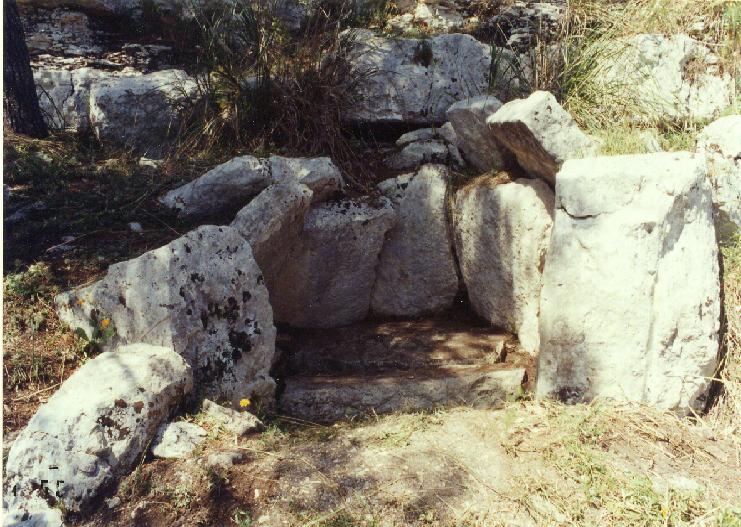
(726, 413)
(269, 89)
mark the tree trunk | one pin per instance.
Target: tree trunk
(19, 91)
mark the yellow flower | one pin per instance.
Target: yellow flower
(244, 403)
(105, 323)
(80, 301)
(664, 512)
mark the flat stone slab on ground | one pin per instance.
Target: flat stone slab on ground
(405, 345)
(332, 398)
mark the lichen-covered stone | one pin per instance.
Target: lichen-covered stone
(92, 430)
(202, 295)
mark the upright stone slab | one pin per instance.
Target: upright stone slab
(141, 112)
(540, 133)
(630, 306)
(416, 271)
(720, 141)
(407, 80)
(475, 139)
(202, 295)
(328, 277)
(272, 224)
(92, 431)
(502, 236)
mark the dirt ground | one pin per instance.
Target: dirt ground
(531, 463)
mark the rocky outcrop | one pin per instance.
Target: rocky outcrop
(474, 138)
(413, 80)
(720, 142)
(177, 440)
(502, 233)
(91, 431)
(670, 79)
(232, 185)
(540, 133)
(630, 306)
(64, 96)
(141, 112)
(416, 270)
(328, 277)
(272, 224)
(202, 295)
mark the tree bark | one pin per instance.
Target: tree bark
(20, 100)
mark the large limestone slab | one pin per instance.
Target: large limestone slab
(630, 306)
(92, 430)
(475, 140)
(406, 80)
(272, 224)
(202, 295)
(141, 112)
(720, 141)
(540, 133)
(328, 277)
(327, 398)
(502, 233)
(416, 271)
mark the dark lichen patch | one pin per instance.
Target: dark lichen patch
(246, 296)
(196, 277)
(138, 406)
(120, 403)
(232, 310)
(122, 300)
(204, 319)
(240, 342)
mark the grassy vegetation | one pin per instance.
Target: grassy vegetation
(726, 414)
(269, 89)
(593, 490)
(74, 205)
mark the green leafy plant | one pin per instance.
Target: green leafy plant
(242, 518)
